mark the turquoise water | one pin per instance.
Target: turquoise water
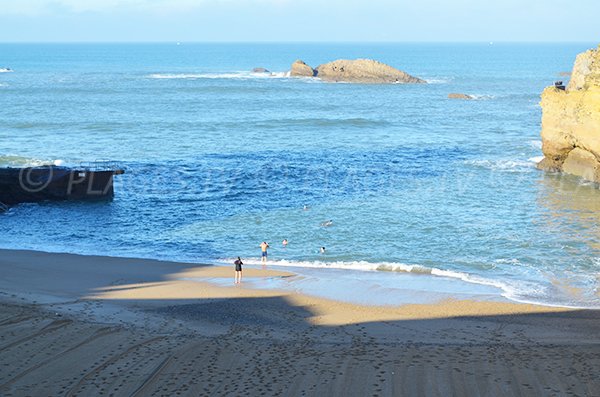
(219, 159)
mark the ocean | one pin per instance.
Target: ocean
(429, 195)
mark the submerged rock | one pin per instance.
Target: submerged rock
(571, 121)
(354, 71)
(455, 95)
(260, 70)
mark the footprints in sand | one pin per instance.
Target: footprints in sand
(43, 355)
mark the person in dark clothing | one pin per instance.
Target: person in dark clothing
(238, 270)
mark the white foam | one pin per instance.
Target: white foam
(438, 80)
(5, 70)
(536, 144)
(482, 97)
(507, 165)
(241, 75)
(535, 159)
(508, 291)
(516, 290)
(358, 265)
(381, 266)
(19, 161)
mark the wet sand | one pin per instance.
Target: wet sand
(87, 326)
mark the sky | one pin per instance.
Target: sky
(299, 20)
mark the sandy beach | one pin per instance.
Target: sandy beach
(87, 326)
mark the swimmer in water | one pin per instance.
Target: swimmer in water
(327, 223)
(284, 242)
(305, 208)
(322, 250)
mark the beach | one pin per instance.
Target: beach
(218, 158)
(92, 325)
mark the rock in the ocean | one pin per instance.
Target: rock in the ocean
(260, 70)
(354, 71)
(455, 95)
(363, 71)
(301, 69)
(571, 121)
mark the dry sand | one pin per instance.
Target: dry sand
(87, 326)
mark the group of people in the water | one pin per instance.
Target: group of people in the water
(264, 247)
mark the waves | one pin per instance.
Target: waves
(506, 165)
(354, 122)
(5, 70)
(481, 97)
(240, 75)
(438, 80)
(520, 290)
(536, 144)
(508, 291)
(20, 161)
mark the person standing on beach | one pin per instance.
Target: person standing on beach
(263, 247)
(238, 270)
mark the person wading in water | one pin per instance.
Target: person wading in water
(263, 247)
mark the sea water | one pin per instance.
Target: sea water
(425, 193)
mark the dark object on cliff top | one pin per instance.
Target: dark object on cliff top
(559, 85)
(56, 183)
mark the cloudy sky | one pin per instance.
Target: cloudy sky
(299, 20)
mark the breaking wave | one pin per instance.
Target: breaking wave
(482, 97)
(506, 165)
(20, 161)
(438, 80)
(536, 144)
(515, 290)
(230, 75)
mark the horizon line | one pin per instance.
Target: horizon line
(297, 42)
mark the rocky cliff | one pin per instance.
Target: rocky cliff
(354, 71)
(571, 121)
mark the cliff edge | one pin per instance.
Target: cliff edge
(354, 71)
(571, 121)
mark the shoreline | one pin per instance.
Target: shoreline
(91, 325)
(137, 282)
(488, 291)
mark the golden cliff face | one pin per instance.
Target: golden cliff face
(571, 121)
